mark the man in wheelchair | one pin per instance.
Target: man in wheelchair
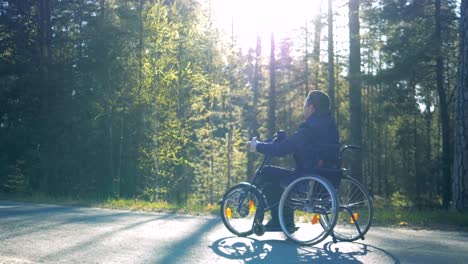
(315, 145)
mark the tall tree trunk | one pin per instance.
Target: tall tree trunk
(229, 156)
(211, 126)
(416, 157)
(138, 180)
(316, 50)
(428, 156)
(386, 162)
(460, 172)
(46, 95)
(140, 43)
(331, 59)
(110, 126)
(338, 98)
(120, 158)
(379, 125)
(355, 84)
(271, 123)
(306, 60)
(255, 87)
(211, 179)
(367, 163)
(444, 114)
(229, 139)
(44, 31)
(109, 181)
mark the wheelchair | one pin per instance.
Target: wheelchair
(328, 202)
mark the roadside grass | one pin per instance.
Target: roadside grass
(41, 198)
(116, 203)
(398, 211)
(384, 214)
(158, 206)
(421, 219)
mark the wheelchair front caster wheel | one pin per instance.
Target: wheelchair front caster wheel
(259, 229)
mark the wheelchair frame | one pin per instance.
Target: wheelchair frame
(329, 218)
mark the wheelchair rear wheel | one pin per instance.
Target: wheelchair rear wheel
(355, 211)
(308, 210)
(240, 209)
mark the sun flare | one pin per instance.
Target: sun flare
(246, 18)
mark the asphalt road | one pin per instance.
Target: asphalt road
(38, 233)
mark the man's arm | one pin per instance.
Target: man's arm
(290, 145)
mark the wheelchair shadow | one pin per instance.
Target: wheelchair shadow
(250, 250)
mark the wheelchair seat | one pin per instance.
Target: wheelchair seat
(332, 175)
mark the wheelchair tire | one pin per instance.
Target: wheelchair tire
(241, 208)
(353, 199)
(308, 210)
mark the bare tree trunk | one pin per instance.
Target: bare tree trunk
(355, 84)
(110, 127)
(460, 172)
(337, 94)
(444, 115)
(255, 86)
(210, 179)
(119, 166)
(316, 51)
(46, 94)
(110, 179)
(140, 43)
(271, 123)
(379, 126)
(141, 112)
(367, 134)
(44, 31)
(428, 156)
(230, 126)
(331, 59)
(211, 107)
(386, 162)
(306, 60)
(229, 157)
(416, 157)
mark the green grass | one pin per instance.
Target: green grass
(117, 203)
(398, 211)
(157, 206)
(417, 219)
(383, 215)
(41, 198)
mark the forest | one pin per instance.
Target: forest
(148, 99)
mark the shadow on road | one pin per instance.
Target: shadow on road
(182, 247)
(28, 219)
(251, 250)
(93, 241)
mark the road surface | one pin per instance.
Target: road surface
(38, 233)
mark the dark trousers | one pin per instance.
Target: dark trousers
(272, 181)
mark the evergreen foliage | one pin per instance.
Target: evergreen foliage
(117, 98)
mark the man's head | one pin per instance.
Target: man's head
(316, 102)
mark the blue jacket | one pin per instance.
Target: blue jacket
(316, 139)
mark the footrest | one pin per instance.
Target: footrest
(273, 229)
(278, 229)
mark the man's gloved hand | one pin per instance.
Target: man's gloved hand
(252, 144)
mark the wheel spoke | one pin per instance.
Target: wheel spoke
(354, 201)
(315, 211)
